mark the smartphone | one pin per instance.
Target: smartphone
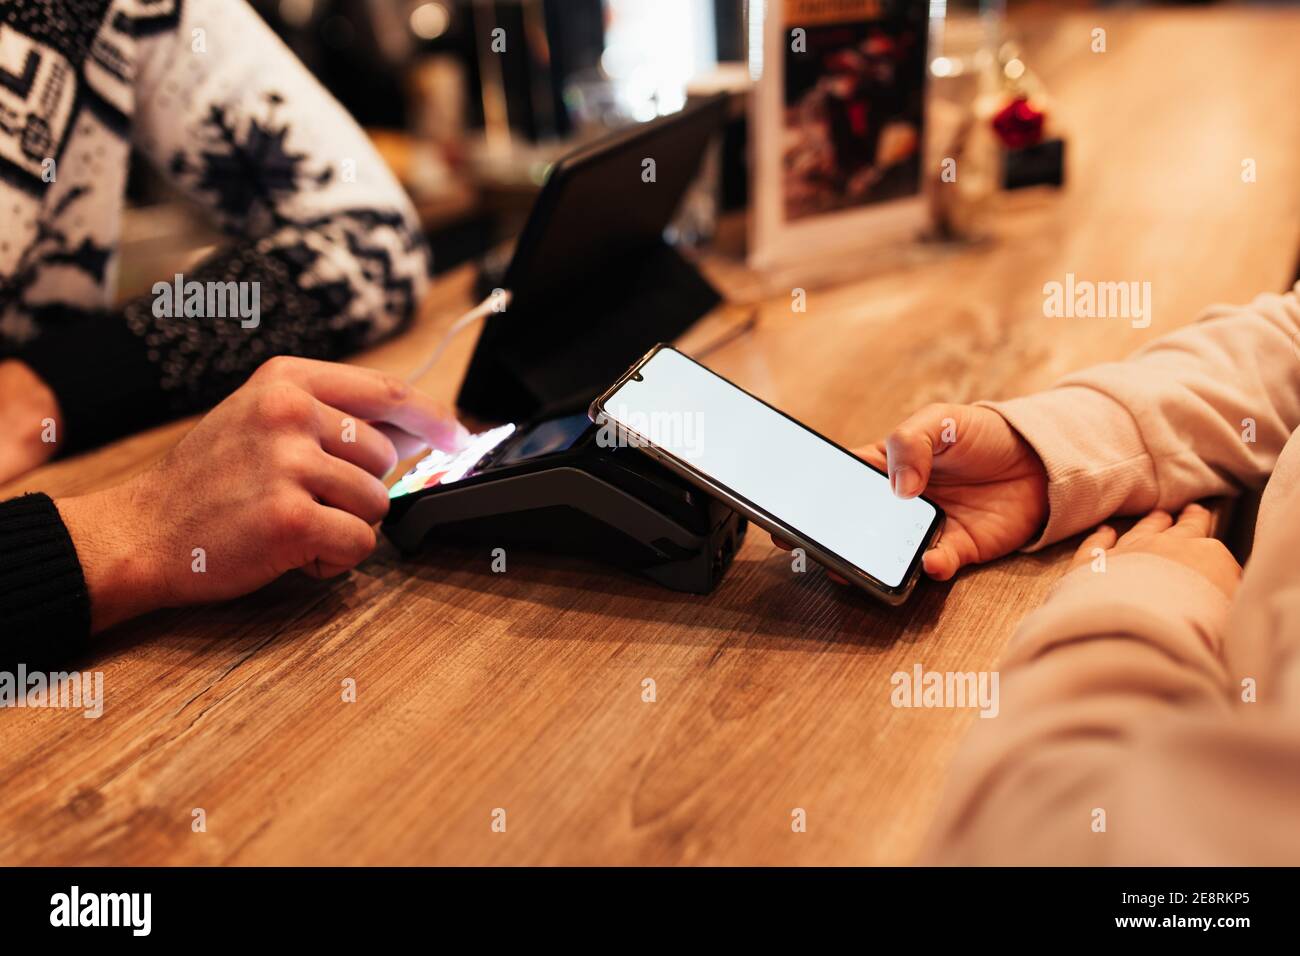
(776, 471)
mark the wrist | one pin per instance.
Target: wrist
(1095, 456)
(1038, 482)
(111, 541)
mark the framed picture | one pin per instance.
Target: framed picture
(837, 124)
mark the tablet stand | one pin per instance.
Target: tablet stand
(553, 355)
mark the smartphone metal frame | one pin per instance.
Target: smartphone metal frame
(890, 595)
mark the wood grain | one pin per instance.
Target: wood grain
(522, 690)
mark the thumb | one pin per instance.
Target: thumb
(911, 448)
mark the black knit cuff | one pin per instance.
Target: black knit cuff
(100, 373)
(44, 604)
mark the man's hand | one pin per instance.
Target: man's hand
(29, 413)
(284, 474)
(1185, 541)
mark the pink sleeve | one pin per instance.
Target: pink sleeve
(1121, 737)
(1202, 411)
(1089, 682)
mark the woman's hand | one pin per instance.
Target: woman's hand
(283, 474)
(1185, 541)
(970, 462)
(29, 420)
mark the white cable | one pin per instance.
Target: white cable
(498, 301)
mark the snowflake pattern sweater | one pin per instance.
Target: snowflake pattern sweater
(219, 105)
(207, 93)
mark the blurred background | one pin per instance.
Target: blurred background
(471, 130)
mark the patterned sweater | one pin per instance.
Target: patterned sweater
(219, 105)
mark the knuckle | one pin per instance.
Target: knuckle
(905, 436)
(396, 391)
(292, 521)
(368, 498)
(378, 500)
(362, 544)
(899, 432)
(366, 541)
(295, 461)
(284, 406)
(277, 367)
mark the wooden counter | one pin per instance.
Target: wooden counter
(523, 690)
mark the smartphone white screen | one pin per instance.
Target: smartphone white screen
(830, 497)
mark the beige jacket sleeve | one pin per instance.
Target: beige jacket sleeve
(1203, 411)
(1125, 733)
(1120, 738)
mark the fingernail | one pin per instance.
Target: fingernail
(905, 482)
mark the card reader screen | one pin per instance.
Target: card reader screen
(511, 443)
(544, 438)
(443, 468)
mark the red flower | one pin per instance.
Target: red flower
(1018, 124)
